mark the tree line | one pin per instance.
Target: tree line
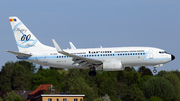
(127, 85)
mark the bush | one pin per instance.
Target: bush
(154, 98)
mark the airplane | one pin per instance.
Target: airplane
(107, 59)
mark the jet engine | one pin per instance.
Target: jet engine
(112, 65)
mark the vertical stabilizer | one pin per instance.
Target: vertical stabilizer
(25, 40)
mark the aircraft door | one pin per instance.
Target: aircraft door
(151, 54)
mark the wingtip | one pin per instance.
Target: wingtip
(58, 48)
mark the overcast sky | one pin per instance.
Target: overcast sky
(91, 23)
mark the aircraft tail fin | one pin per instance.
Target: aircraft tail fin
(25, 40)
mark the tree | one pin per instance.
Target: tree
(6, 76)
(16, 76)
(47, 76)
(174, 80)
(12, 96)
(129, 69)
(162, 73)
(154, 98)
(98, 99)
(106, 98)
(144, 71)
(132, 78)
(147, 71)
(141, 69)
(29, 66)
(21, 77)
(160, 87)
(143, 80)
(107, 84)
(1, 99)
(132, 93)
(79, 86)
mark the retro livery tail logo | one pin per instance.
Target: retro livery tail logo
(25, 40)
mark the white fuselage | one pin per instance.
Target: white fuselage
(130, 56)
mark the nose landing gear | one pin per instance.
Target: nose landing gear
(154, 71)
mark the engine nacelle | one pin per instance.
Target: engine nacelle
(112, 65)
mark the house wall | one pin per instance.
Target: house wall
(61, 98)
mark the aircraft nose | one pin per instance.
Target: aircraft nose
(172, 57)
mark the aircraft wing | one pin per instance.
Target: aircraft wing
(82, 61)
(19, 54)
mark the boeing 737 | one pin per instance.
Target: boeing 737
(108, 59)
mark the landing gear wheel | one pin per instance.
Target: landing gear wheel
(154, 70)
(92, 72)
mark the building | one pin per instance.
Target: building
(23, 93)
(47, 92)
(59, 97)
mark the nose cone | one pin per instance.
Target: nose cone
(172, 57)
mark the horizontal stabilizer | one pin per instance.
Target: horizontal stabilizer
(19, 54)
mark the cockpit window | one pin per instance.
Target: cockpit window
(162, 52)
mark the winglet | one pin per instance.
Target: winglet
(72, 46)
(57, 46)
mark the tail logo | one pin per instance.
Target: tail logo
(25, 40)
(24, 37)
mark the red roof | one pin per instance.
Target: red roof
(40, 88)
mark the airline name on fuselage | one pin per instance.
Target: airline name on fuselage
(91, 52)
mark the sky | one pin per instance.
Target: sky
(95, 23)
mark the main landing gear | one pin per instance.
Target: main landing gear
(154, 71)
(92, 72)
